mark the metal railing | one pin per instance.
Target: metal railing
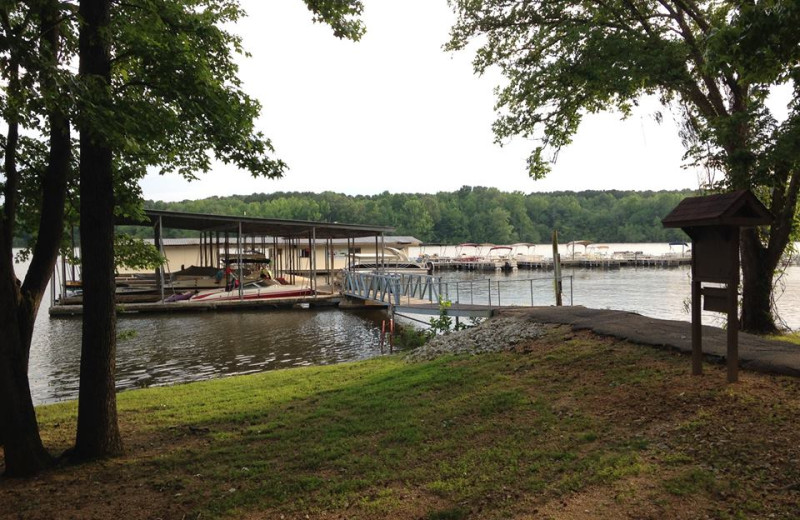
(407, 289)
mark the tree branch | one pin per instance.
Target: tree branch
(714, 95)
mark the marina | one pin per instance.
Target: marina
(178, 347)
(472, 257)
(338, 317)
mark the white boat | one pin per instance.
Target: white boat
(256, 290)
(391, 260)
(527, 256)
(501, 257)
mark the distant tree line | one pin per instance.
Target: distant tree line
(471, 214)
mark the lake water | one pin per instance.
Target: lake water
(176, 348)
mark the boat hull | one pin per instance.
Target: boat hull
(268, 293)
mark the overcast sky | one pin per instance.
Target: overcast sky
(395, 113)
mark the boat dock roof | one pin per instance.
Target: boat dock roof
(254, 225)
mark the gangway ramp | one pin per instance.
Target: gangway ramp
(423, 294)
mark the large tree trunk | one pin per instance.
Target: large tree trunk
(24, 453)
(98, 432)
(19, 303)
(760, 261)
(758, 268)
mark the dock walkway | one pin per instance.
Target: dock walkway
(424, 294)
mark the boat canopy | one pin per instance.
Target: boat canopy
(390, 253)
(583, 243)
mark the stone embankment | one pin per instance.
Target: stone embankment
(494, 335)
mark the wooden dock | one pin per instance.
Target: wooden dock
(606, 263)
(323, 300)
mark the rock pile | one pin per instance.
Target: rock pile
(494, 335)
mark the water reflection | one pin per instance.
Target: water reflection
(172, 349)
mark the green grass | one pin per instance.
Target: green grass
(502, 434)
(791, 337)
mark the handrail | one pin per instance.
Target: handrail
(398, 289)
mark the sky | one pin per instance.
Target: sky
(394, 112)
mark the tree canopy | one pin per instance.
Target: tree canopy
(712, 63)
(471, 214)
(156, 88)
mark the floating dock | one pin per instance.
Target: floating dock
(547, 263)
(327, 300)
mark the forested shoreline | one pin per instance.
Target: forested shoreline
(469, 214)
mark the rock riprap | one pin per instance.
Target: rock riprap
(493, 335)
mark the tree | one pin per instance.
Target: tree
(157, 89)
(34, 192)
(715, 62)
(173, 88)
(98, 431)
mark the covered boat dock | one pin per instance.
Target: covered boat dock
(232, 240)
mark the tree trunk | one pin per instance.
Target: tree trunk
(19, 303)
(98, 432)
(758, 268)
(24, 453)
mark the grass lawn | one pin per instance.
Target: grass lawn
(568, 426)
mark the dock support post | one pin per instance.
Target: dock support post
(239, 260)
(312, 260)
(160, 245)
(63, 277)
(53, 289)
(378, 265)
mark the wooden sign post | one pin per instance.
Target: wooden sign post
(713, 223)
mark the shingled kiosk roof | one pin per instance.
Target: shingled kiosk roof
(737, 208)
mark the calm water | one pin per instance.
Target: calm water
(171, 349)
(657, 292)
(177, 348)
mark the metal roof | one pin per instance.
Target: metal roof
(359, 241)
(254, 226)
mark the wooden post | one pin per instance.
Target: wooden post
(557, 268)
(733, 333)
(697, 328)
(732, 354)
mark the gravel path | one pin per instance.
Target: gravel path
(493, 335)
